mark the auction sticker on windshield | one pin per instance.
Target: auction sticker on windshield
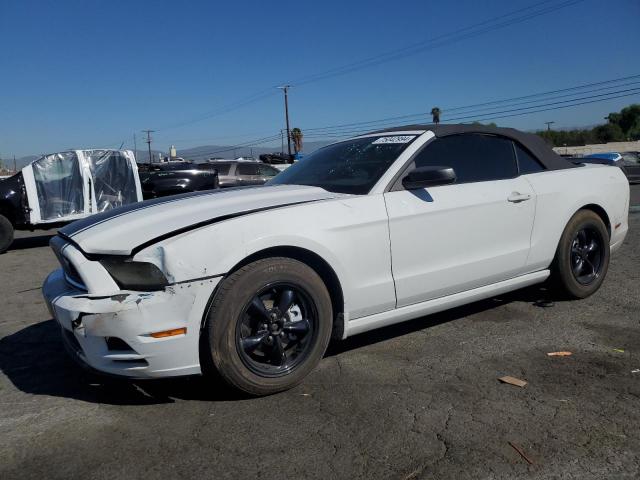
(395, 139)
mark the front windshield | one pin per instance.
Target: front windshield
(353, 166)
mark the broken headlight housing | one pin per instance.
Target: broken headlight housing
(130, 275)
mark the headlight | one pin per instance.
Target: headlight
(130, 275)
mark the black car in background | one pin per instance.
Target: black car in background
(278, 158)
(235, 173)
(164, 182)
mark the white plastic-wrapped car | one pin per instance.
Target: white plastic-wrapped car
(62, 187)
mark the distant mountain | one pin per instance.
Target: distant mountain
(22, 161)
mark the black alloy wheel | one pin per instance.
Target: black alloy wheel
(268, 326)
(586, 255)
(276, 329)
(582, 256)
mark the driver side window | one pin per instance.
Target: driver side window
(474, 157)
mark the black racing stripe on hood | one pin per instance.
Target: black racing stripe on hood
(80, 226)
(173, 233)
(211, 221)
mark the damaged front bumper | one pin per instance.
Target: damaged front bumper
(113, 334)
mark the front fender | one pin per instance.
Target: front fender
(350, 234)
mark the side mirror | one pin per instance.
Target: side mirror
(424, 177)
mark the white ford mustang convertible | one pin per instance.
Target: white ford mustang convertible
(385, 227)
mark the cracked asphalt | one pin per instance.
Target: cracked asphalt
(419, 400)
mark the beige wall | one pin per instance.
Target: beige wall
(600, 148)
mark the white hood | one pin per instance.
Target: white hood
(121, 230)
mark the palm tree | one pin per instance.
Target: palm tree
(296, 136)
(435, 112)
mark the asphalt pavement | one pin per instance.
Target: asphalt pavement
(416, 400)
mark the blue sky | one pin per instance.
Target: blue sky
(91, 73)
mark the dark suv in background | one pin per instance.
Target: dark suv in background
(235, 173)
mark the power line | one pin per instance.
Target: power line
(558, 107)
(393, 55)
(495, 115)
(249, 143)
(635, 90)
(508, 100)
(546, 98)
(533, 95)
(216, 138)
(502, 114)
(438, 41)
(256, 97)
(372, 123)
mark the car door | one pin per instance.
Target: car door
(114, 182)
(452, 238)
(57, 188)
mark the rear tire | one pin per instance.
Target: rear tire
(268, 326)
(6, 233)
(582, 257)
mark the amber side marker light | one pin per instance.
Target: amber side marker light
(170, 333)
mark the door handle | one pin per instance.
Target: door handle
(516, 197)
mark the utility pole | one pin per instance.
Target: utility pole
(285, 89)
(281, 140)
(15, 166)
(149, 132)
(548, 124)
(135, 145)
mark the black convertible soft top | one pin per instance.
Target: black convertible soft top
(535, 144)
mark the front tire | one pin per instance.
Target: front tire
(268, 326)
(6, 233)
(582, 257)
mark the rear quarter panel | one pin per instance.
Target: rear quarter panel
(561, 193)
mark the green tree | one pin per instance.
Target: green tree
(609, 132)
(627, 118)
(296, 136)
(621, 126)
(634, 132)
